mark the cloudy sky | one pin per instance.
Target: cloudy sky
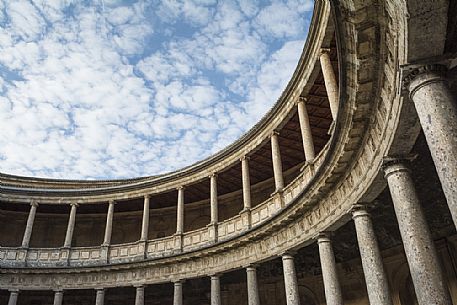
(116, 89)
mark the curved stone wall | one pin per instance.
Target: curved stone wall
(374, 121)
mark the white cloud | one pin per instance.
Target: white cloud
(98, 91)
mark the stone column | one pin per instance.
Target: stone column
(213, 198)
(330, 81)
(246, 179)
(419, 248)
(373, 268)
(437, 111)
(100, 296)
(253, 289)
(180, 211)
(277, 163)
(290, 280)
(29, 226)
(70, 226)
(139, 297)
(13, 297)
(177, 297)
(58, 297)
(332, 287)
(145, 223)
(306, 135)
(109, 224)
(215, 290)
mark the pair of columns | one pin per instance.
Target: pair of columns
(31, 219)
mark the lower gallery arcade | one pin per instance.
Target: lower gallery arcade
(345, 193)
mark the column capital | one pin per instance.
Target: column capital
(58, 290)
(252, 267)
(288, 254)
(324, 237)
(212, 175)
(215, 276)
(13, 290)
(360, 209)
(417, 76)
(181, 188)
(74, 204)
(139, 286)
(324, 51)
(393, 164)
(99, 290)
(178, 282)
(302, 99)
(112, 201)
(245, 158)
(274, 133)
(147, 196)
(34, 203)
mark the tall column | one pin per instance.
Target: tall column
(58, 297)
(13, 297)
(290, 280)
(145, 223)
(180, 211)
(215, 290)
(373, 268)
(109, 224)
(213, 198)
(246, 179)
(277, 163)
(139, 296)
(177, 296)
(29, 226)
(306, 135)
(419, 248)
(330, 81)
(437, 111)
(100, 296)
(70, 226)
(332, 287)
(253, 289)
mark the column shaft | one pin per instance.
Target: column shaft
(180, 212)
(100, 297)
(437, 111)
(253, 289)
(373, 268)
(215, 290)
(290, 280)
(246, 179)
(58, 297)
(70, 226)
(330, 81)
(109, 224)
(145, 223)
(419, 248)
(306, 135)
(277, 163)
(13, 297)
(29, 225)
(213, 199)
(177, 297)
(139, 297)
(332, 287)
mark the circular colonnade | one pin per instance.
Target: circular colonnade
(343, 128)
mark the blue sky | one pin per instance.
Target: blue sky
(116, 89)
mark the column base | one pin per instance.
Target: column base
(212, 232)
(245, 215)
(178, 242)
(104, 254)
